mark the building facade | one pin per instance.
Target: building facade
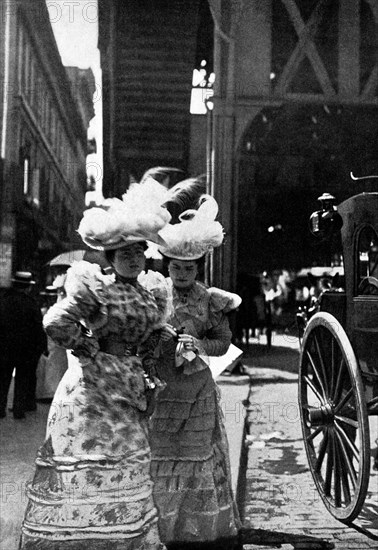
(148, 54)
(44, 112)
(295, 111)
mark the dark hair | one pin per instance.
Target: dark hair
(110, 254)
(199, 261)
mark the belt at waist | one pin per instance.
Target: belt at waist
(115, 347)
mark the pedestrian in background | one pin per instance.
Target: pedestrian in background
(190, 458)
(22, 341)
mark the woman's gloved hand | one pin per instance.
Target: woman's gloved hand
(187, 348)
(168, 332)
(189, 342)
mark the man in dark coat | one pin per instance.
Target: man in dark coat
(22, 341)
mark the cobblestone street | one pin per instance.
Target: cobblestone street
(282, 507)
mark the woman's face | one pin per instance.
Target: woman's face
(129, 261)
(183, 272)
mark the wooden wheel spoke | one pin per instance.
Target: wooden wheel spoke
(339, 381)
(333, 363)
(347, 420)
(343, 474)
(329, 466)
(337, 472)
(314, 433)
(344, 400)
(322, 451)
(313, 388)
(322, 365)
(348, 441)
(316, 372)
(348, 462)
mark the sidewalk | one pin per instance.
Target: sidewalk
(234, 392)
(258, 364)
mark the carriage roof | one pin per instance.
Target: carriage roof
(358, 210)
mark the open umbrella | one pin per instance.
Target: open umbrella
(67, 258)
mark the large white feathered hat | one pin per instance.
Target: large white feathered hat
(139, 216)
(195, 235)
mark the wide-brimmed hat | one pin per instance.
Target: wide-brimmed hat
(23, 277)
(50, 290)
(197, 233)
(139, 216)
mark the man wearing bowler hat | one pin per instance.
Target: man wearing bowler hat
(22, 340)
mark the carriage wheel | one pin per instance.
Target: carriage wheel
(334, 419)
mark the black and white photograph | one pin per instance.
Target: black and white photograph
(188, 274)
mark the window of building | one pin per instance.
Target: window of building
(44, 189)
(35, 185)
(39, 98)
(26, 166)
(203, 74)
(49, 121)
(56, 132)
(20, 59)
(31, 81)
(59, 142)
(25, 69)
(47, 117)
(202, 90)
(53, 194)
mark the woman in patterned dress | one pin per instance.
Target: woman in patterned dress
(92, 487)
(190, 461)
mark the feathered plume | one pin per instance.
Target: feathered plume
(185, 195)
(180, 197)
(139, 216)
(196, 234)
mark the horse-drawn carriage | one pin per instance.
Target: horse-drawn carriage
(338, 373)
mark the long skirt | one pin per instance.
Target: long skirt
(190, 460)
(92, 487)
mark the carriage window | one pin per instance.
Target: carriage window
(367, 257)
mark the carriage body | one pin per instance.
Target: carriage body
(338, 374)
(360, 251)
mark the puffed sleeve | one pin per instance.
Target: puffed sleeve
(70, 321)
(223, 301)
(218, 334)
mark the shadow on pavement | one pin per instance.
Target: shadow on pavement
(364, 530)
(276, 538)
(367, 520)
(283, 354)
(278, 357)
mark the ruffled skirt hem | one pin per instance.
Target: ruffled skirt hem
(148, 540)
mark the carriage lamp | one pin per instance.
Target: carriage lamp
(327, 220)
